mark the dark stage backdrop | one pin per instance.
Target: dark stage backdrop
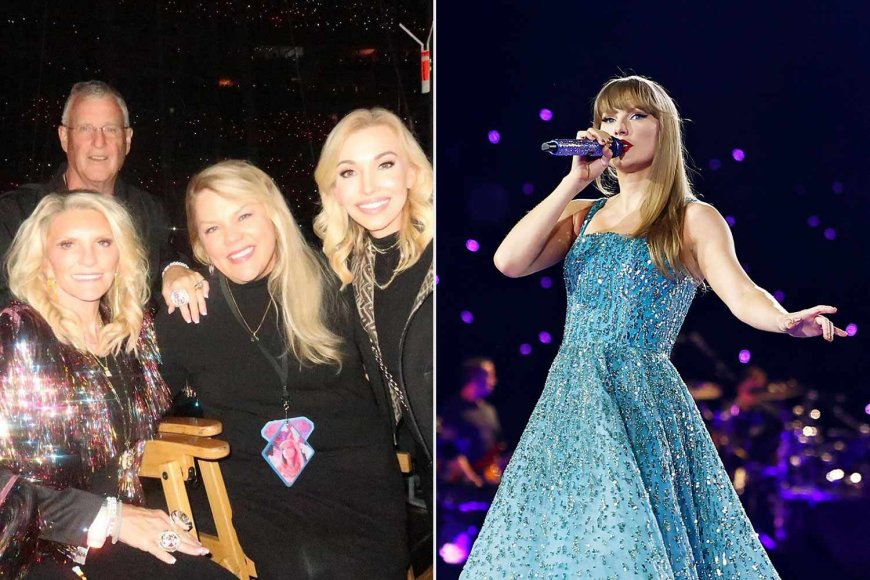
(775, 97)
(205, 81)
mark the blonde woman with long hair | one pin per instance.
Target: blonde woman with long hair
(376, 224)
(313, 480)
(615, 474)
(79, 394)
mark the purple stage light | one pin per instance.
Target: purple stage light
(715, 164)
(830, 234)
(779, 295)
(528, 188)
(453, 554)
(731, 220)
(546, 115)
(837, 187)
(813, 221)
(851, 329)
(738, 155)
(472, 245)
(744, 356)
(867, 409)
(525, 349)
(545, 337)
(473, 506)
(546, 282)
(466, 316)
(437, 279)
(494, 137)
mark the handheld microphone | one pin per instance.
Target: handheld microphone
(589, 148)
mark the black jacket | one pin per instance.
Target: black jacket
(414, 380)
(147, 211)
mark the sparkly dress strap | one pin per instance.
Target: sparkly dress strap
(596, 205)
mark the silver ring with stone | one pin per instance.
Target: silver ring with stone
(181, 519)
(179, 298)
(169, 541)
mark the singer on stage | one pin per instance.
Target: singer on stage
(615, 474)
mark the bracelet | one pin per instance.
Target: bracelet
(170, 264)
(113, 511)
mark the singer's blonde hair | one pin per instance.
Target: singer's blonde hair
(342, 237)
(663, 211)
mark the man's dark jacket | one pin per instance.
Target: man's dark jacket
(147, 212)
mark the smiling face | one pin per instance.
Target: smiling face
(637, 127)
(237, 235)
(373, 178)
(81, 257)
(95, 159)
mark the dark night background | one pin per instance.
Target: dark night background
(205, 81)
(786, 83)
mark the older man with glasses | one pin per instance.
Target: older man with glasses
(96, 135)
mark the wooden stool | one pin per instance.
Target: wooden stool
(180, 445)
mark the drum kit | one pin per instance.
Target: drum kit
(786, 446)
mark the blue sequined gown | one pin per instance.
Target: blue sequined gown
(615, 475)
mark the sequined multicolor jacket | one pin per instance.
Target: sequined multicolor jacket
(59, 418)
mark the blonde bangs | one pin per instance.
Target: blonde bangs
(663, 211)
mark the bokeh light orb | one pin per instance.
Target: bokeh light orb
(525, 349)
(744, 356)
(494, 137)
(545, 115)
(466, 316)
(738, 155)
(472, 245)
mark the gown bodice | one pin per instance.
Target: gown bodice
(616, 295)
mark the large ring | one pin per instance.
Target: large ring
(181, 519)
(179, 298)
(169, 541)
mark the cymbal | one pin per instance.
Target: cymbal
(781, 391)
(705, 391)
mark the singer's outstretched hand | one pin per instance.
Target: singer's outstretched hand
(589, 169)
(810, 322)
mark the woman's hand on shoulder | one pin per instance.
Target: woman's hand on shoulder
(142, 527)
(185, 290)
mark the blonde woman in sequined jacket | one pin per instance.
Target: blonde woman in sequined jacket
(79, 394)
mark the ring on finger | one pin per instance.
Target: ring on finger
(181, 519)
(169, 541)
(198, 285)
(179, 298)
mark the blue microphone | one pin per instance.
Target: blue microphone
(588, 148)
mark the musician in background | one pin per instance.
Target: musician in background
(470, 437)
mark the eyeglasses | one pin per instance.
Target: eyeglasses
(89, 131)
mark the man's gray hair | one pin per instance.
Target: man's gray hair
(93, 89)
